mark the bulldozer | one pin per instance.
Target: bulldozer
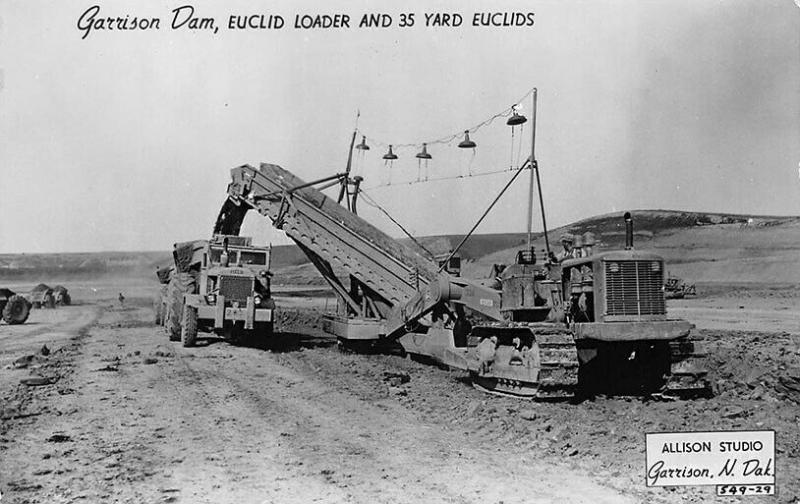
(14, 308)
(676, 288)
(587, 325)
(220, 285)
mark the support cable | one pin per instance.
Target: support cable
(371, 202)
(485, 213)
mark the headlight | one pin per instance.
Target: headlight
(257, 300)
(263, 273)
(212, 298)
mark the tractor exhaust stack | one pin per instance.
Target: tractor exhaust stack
(628, 231)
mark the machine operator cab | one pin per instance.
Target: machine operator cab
(450, 263)
(239, 251)
(528, 292)
(236, 269)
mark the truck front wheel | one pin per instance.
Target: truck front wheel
(189, 326)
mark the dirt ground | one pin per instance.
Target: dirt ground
(132, 417)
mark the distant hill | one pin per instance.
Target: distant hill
(700, 246)
(78, 265)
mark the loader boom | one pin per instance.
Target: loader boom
(390, 281)
(540, 330)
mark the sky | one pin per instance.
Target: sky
(124, 140)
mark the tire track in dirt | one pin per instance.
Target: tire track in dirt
(363, 451)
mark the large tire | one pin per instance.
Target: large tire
(180, 284)
(62, 299)
(164, 312)
(158, 316)
(189, 326)
(172, 320)
(16, 310)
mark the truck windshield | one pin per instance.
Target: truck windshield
(215, 255)
(253, 257)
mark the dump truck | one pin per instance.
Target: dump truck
(62, 297)
(42, 296)
(588, 325)
(14, 308)
(220, 286)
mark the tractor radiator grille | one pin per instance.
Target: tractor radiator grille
(634, 288)
(235, 288)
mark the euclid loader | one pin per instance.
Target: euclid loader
(595, 324)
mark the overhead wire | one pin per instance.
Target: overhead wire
(452, 177)
(366, 198)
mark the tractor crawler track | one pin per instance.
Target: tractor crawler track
(688, 373)
(549, 371)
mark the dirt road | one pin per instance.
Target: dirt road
(134, 418)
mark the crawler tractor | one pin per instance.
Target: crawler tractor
(594, 324)
(675, 288)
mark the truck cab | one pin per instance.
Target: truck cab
(236, 270)
(232, 296)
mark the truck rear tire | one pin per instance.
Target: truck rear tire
(172, 320)
(189, 326)
(16, 310)
(180, 284)
(157, 313)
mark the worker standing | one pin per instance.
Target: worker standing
(566, 245)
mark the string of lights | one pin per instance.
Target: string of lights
(510, 112)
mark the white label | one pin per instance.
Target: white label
(710, 458)
(487, 302)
